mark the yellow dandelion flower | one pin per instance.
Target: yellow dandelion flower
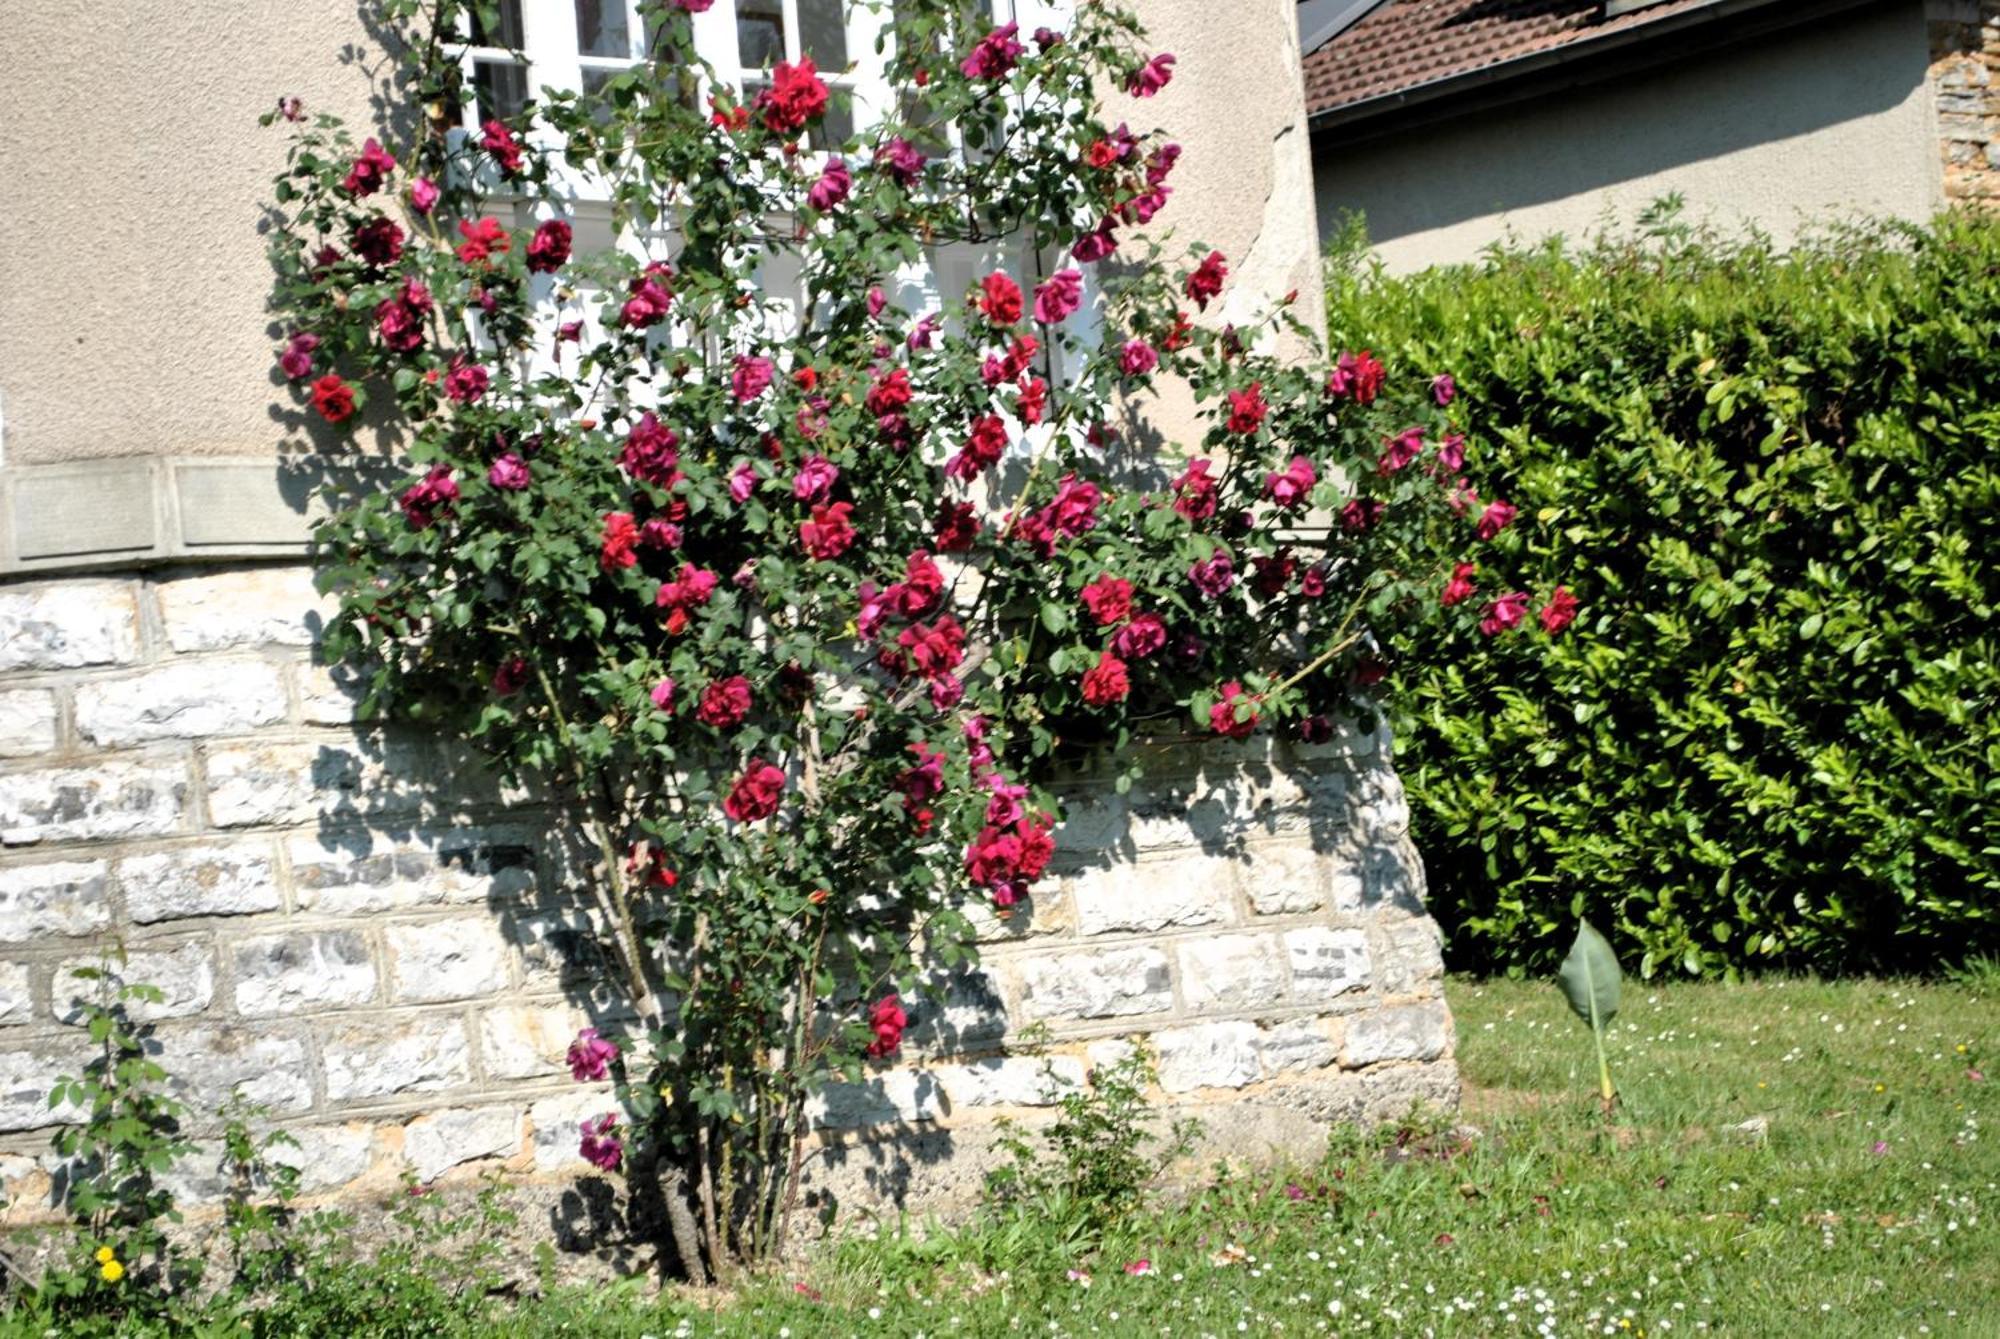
(105, 1255)
(112, 1271)
(1881, 1087)
(1961, 1048)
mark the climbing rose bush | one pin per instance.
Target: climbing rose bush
(794, 601)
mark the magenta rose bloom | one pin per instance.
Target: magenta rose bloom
(548, 249)
(832, 187)
(296, 361)
(1460, 587)
(1205, 284)
(600, 1145)
(751, 377)
(815, 479)
(651, 452)
(1213, 575)
(828, 534)
(1222, 716)
(1290, 489)
(1151, 77)
(466, 382)
(901, 160)
(1497, 517)
(510, 677)
(995, 55)
(590, 1056)
(1058, 296)
(379, 242)
(509, 472)
(662, 695)
(1139, 638)
(887, 1021)
(366, 175)
(1504, 614)
(1559, 612)
(1137, 358)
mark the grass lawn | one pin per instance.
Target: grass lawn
(1792, 1157)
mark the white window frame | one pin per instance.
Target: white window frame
(549, 56)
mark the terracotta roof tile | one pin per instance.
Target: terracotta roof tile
(1406, 43)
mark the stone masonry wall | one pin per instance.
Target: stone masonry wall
(1965, 81)
(364, 935)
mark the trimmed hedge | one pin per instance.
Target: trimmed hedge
(1773, 735)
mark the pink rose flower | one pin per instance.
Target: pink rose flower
(751, 377)
(510, 677)
(509, 472)
(1153, 76)
(364, 178)
(815, 479)
(1058, 296)
(1504, 614)
(1214, 575)
(424, 195)
(832, 187)
(1137, 358)
(1139, 638)
(995, 55)
(1291, 488)
(1460, 586)
(1497, 517)
(662, 695)
(296, 360)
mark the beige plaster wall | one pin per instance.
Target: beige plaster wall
(1809, 124)
(1244, 182)
(132, 276)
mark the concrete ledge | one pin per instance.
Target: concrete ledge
(141, 511)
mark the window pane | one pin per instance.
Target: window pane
(501, 90)
(823, 32)
(506, 28)
(601, 29)
(838, 124)
(760, 33)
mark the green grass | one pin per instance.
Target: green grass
(1864, 1206)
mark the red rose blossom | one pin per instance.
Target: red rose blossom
(1000, 299)
(1205, 283)
(724, 703)
(548, 249)
(1559, 612)
(1222, 716)
(333, 398)
(620, 546)
(756, 794)
(1106, 682)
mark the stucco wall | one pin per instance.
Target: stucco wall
(132, 273)
(1810, 124)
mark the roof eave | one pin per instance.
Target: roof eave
(1611, 53)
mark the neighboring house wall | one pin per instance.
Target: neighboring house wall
(1965, 73)
(360, 927)
(1814, 123)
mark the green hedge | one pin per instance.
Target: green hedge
(1773, 735)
